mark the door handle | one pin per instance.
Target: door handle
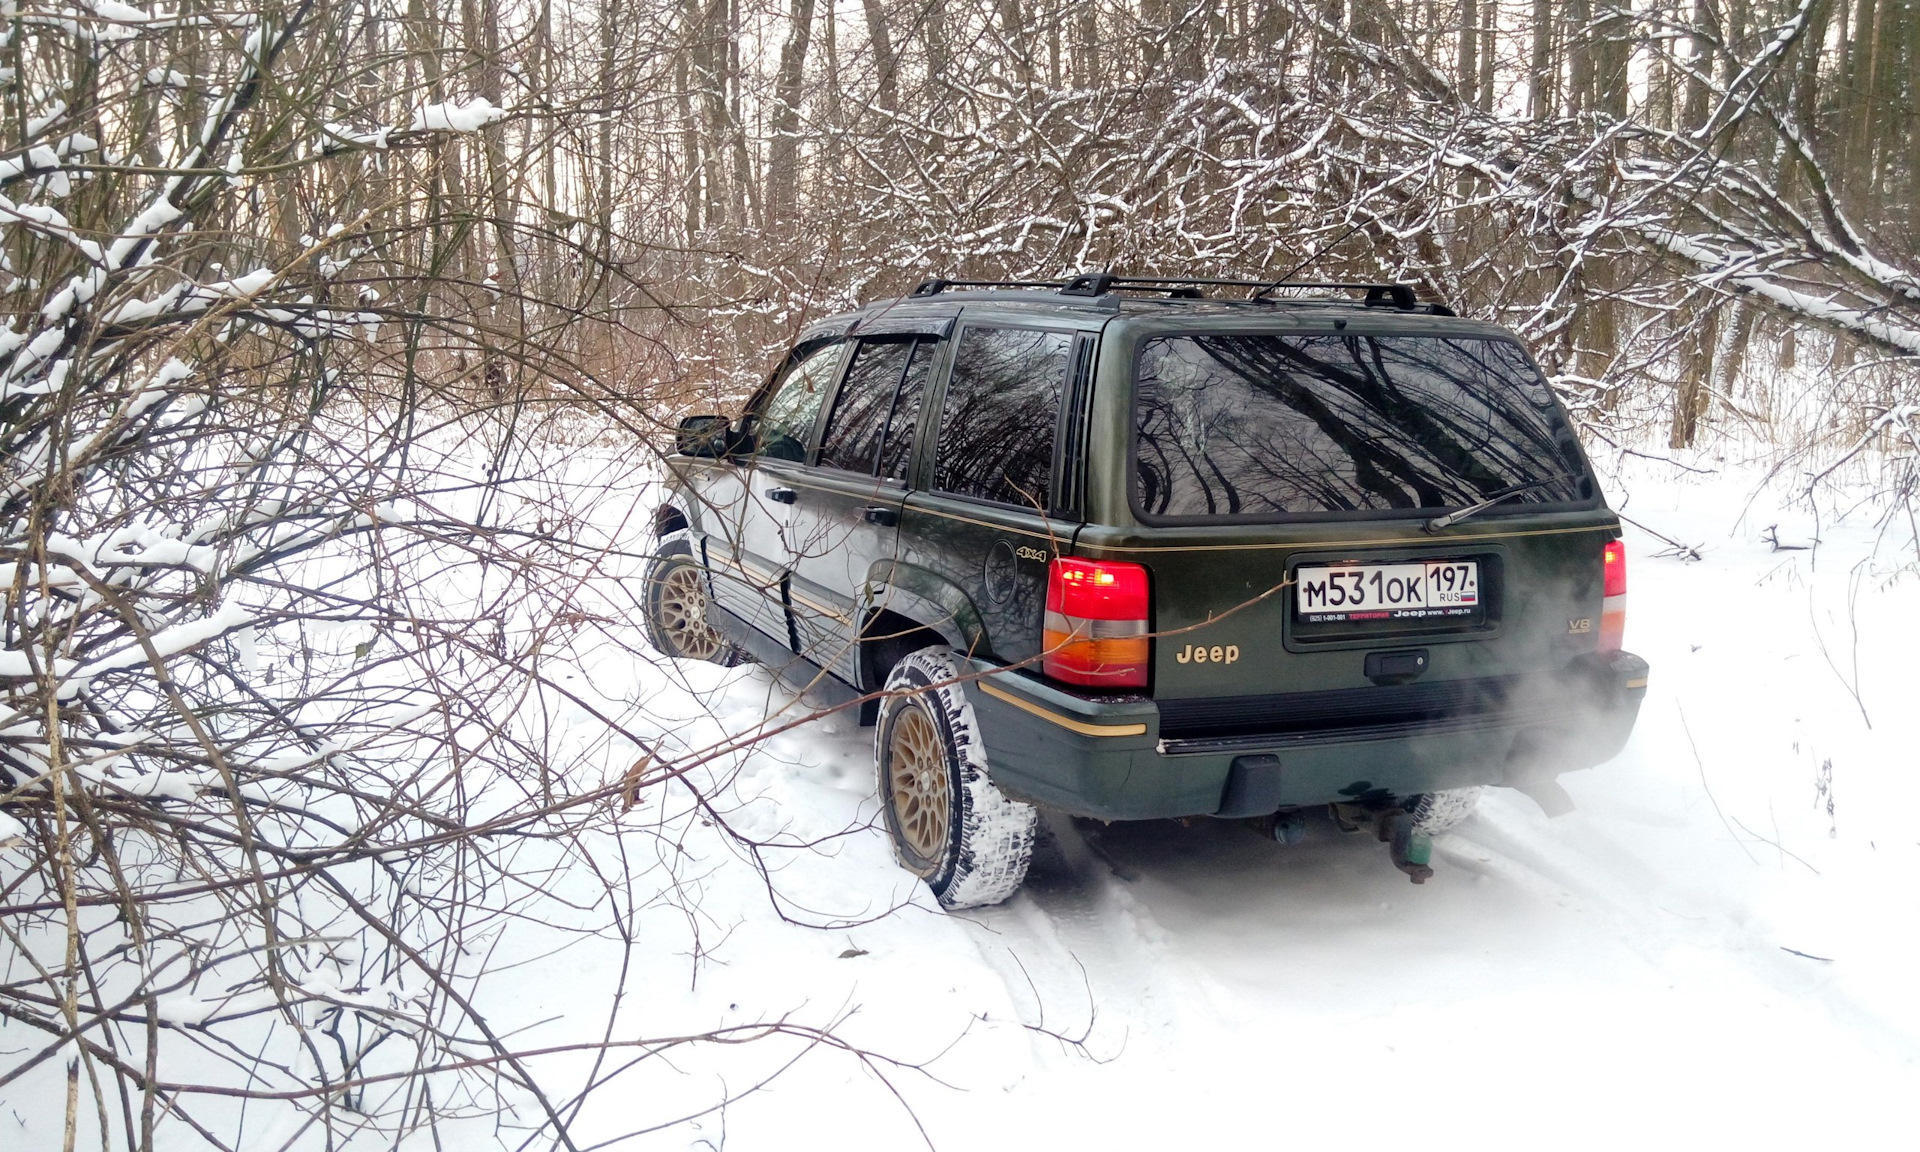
(882, 515)
(782, 495)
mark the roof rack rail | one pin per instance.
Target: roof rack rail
(1397, 296)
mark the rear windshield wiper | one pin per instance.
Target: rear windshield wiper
(1459, 514)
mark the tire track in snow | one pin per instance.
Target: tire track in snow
(1085, 959)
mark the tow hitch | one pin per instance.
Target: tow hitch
(1412, 852)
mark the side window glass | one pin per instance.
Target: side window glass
(896, 453)
(997, 425)
(859, 420)
(786, 420)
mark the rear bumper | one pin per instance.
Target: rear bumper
(1106, 758)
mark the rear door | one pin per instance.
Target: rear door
(990, 520)
(1282, 484)
(847, 515)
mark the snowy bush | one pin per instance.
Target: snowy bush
(283, 578)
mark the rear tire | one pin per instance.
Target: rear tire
(949, 825)
(674, 604)
(1437, 812)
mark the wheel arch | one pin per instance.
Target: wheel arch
(929, 599)
(668, 519)
(886, 637)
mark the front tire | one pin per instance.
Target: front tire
(675, 610)
(949, 825)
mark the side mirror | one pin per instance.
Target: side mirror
(703, 436)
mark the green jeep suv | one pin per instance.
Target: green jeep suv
(1133, 551)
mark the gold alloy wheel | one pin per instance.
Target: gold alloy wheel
(917, 781)
(681, 607)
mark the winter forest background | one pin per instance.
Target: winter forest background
(340, 338)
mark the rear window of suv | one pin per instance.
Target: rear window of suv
(1257, 426)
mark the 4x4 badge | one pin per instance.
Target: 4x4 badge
(1201, 654)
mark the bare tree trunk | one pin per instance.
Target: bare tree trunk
(1739, 19)
(783, 153)
(746, 190)
(1013, 30)
(1543, 70)
(604, 161)
(1805, 99)
(1053, 46)
(1882, 96)
(1597, 332)
(880, 39)
(1579, 49)
(836, 104)
(542, 69)
(1734, 341)
(1911, 129)
(1272, 23)
(1467, 56)
(1086, 44)
(1489, 49)
(1613, 27)
(707, 34)
(1661, 73)
(1694, 391)
(1706, 20)
(933, 33)
(692, 185)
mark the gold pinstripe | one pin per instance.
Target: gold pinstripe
(819, 607)
(753, 575)
(1316, 545)
(1050, 537)
(1069, 724)
(760, 581)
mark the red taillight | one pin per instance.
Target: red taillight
(1096, 627)
(1613, 609)
(1614, 558)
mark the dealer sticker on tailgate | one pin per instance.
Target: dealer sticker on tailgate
(1424, 590)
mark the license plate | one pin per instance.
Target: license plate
(1426, 590)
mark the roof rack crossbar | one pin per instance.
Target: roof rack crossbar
(934, 285)
(1378, 295)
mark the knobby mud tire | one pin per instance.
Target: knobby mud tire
(989, 837)
(1437, 812)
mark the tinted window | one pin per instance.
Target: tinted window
(786, 419)
(897, 453)
(860, 412)
(996, 428)
(1252, 426)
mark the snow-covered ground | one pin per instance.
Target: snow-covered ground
(1716, 947)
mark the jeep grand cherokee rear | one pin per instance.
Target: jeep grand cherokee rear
(1163, 557)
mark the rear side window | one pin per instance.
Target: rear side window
(997, 425)
(896, 452)
(1247, 427)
